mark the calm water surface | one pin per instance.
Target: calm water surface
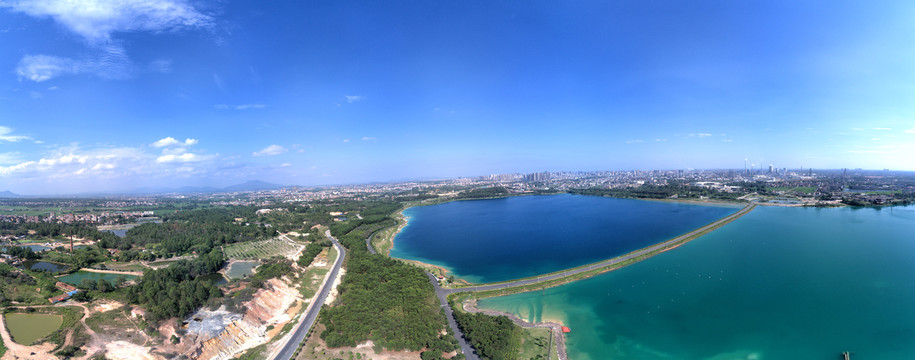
(44, 266)
(510, 238)
(778, 283)
(77, 277)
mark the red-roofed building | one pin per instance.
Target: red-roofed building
(566, 330)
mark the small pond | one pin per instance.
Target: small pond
(44, 266)
(77, 277)
(241, 269)
(26, 328)
(216, 279)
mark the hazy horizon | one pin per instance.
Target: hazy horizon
(113, 96)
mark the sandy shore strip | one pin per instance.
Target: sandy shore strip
(470, 305)
(134, 273)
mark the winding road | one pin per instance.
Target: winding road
(306, 322)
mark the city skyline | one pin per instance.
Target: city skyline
(107, 97)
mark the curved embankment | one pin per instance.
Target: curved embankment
(562, 277)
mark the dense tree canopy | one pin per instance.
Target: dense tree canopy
(386, 301)
(494, 337)
(177, 291)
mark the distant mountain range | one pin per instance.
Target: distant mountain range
(253, 185)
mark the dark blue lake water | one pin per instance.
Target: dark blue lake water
(503, 239)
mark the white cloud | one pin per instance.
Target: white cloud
(172, 142)
(10, 158)
(39, 68)
(660, 139)
(345, 141)
(635, 141)
(703, 134)
(183, 158)
(103, 166)
(882, 129)
(5, 135)
(285, 165)
(727, 140)
(239, 107)
(96, 21)
(857, 129)
(354, 98)
(108, 61)
(910, 131)
(270, 150)
(368, 138)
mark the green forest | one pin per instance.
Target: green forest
(383, 299)
(494, 337)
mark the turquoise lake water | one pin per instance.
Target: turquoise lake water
(503, 239)
(778, 283)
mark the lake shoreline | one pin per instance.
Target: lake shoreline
(464, 282)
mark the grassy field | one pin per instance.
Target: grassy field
(311, 281)
(130, 266)
(536, 342)
(253, 250)
(383, 240)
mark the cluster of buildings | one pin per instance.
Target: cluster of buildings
(88, 218)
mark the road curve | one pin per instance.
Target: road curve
(606, 263)
(307, 321)
(368, 243)
(442, 295)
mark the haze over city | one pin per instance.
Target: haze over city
(102, 96)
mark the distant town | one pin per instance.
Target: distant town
(771, 186)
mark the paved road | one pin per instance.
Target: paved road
(307, 321)
(443, 299)
(606, 263)
(368, 243)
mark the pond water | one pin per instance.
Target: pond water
(26, 328)
(35, 248)
(77, 277)
(241, 269)
(44, 266)
(216, 279)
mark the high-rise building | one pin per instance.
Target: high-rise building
(770, 168)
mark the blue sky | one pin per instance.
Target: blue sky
(116, 95)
